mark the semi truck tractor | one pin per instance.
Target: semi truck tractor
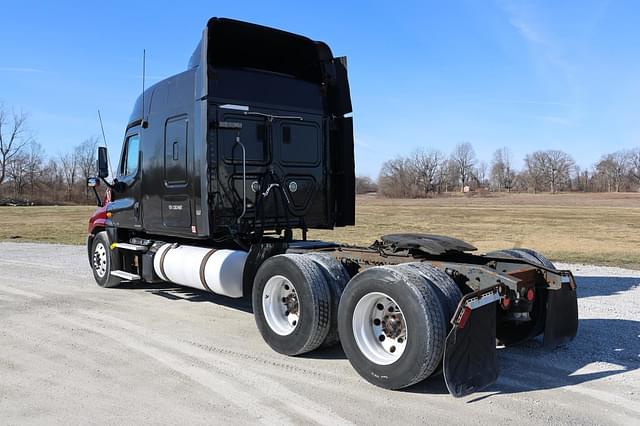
(224, 163)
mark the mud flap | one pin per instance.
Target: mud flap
(561, 323)
(470, 361)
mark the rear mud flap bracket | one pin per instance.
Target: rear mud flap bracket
(470, 360)
(561, 322)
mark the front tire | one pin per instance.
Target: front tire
(392, 326)
(103, 261)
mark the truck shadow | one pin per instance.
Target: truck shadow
(333, 352)
(605, 286)
(432, 385)
(175, 292)
(615, 343)
(530, 367)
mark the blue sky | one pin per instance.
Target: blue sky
(523, 74)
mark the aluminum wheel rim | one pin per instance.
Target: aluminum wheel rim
(100, 260)
(280, 305)
(379, 328)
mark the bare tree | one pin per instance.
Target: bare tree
(480, 173)
(426, 165)
(24, 169)
(522, 181)
(633, 157)
(560, 167)
(53, 179)
(35, 159)
(502, 173)
(69, 163)
(447, 175)
(17, 173)
(86, 156)
(613, 167)
(550, 168)
(581, 180)
(13, 137)
(364, 184)
(536, 165)
(396, 178)
(464, 157)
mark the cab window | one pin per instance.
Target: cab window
(130, 156)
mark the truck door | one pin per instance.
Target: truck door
(126, 207)
(177, 200)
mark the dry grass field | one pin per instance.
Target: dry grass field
(588, 228)
(50, 224)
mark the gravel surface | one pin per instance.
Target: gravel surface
(73, 353)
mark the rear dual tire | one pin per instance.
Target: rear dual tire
(292, 304)
(337, 278)
(423, 308)
(525, 254)
(392, 321)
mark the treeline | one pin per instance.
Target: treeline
(28, 176)
(426, 173)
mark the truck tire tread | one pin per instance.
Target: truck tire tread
(310, 284)
(113, 262)
(337, 278)
(422, 307)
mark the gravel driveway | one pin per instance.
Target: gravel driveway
(73, 353)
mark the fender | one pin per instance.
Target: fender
(99, 221)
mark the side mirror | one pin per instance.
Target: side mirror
(103, 162)
(94, 182)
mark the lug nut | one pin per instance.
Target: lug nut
(376, 321)
(380, 307)
(381, 337)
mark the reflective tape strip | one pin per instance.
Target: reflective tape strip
(485, 299)
(203, 265)
(164, 253)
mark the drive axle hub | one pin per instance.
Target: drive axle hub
(379, 328)
(392, 326)
(280, 305)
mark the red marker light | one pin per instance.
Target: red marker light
(530, 294)
(506, 302)
(464, 317)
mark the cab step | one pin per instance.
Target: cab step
(126, 275)
(132, 247)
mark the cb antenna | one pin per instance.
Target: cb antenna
(104, 139)
(143, 123)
